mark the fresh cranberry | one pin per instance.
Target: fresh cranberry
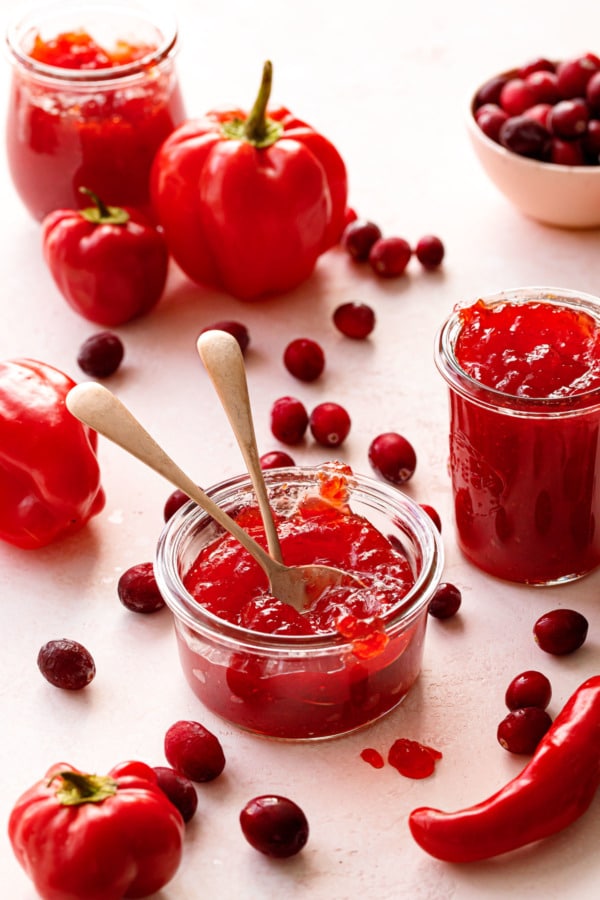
(530, 688)
(592, 93)
(524, 136)
(490, 119)
(193, 751)
(539, 64)
(389, 257)
(573, 76)
(354, 320)
(566, 153)
(569, 118)
(304, 359)
(101, 354)
(522, 729)
(516, 96)
(289, 420)
(392, 457)
(560, 631)
(276, 459)
(179, 789)
(539, 113)
(174, 501)
(358, 238)
(235, 329)
(445, 602)
(274, 825)
(490, 91)
(329, 424)
(544, 86)
(66, 664)
(433, 515)
(429, 251)
(138, 590)
(591, 142)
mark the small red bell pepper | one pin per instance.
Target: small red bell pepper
(109, 262)
(91, 837)
(248, 202)
(553, 790)
(49, 473)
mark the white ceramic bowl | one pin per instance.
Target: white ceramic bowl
(563, 196)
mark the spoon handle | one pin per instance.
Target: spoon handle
(94, 405)
(223, 360)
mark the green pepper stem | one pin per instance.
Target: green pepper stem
(100, 213)
(77, 788)
(255, 129)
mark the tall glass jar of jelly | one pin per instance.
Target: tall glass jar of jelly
(94, 93)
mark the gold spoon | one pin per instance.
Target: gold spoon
(95, 406)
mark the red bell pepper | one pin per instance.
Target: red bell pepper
(553, 790)
(248, 202)
(110, 263)
(91, 837)
(49, 473)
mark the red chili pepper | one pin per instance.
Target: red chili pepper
(553, 790)
(248, 202)
(110, 263)
(49, 474)
(91, 837)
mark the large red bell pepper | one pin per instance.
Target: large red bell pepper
(248, 202)
(49, 474)
(92, 837)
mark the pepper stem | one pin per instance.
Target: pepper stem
(100, 213)
(77, 788)
(257, 129)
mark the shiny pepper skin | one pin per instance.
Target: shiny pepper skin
(90, 837)
(49, 474)
(248, 202)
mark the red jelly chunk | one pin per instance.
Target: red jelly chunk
(524, 441)
(82, 114)
(348, 658)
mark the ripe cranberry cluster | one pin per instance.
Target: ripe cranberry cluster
(546, 111)
(389, 256)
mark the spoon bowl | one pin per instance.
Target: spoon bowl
(97, 407)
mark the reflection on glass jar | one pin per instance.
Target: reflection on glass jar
(97, 126)
(524, 468)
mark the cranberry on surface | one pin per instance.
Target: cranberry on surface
(236, 329)
(304, 359)
(193, 751)
(174, 501)
(530, 688)
(276, 459)
(274, 825)
(522, 729)
(445, 602)
(430, 251)
(289, 420)
(355, 320)
(179, 789)
(138, 590)
(329, 424)
(66, 664)
(389, 257)
(561, 631)
(358, 238)
(101, 354)
(433, 515)
(392, 457)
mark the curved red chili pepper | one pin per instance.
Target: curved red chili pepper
(553, 790)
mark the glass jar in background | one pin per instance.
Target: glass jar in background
(97, 126)
(300, 687)
(525, 469)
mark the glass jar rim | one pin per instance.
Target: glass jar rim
(27, 20)
(193, 615)
(500, 401)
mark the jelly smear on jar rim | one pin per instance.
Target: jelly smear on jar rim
(319, 528)
(538, 350)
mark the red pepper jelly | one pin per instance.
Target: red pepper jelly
(353, 654)
(523, 369)
(94, 93)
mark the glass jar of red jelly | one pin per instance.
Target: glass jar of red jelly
(94, 93)
(523, 370)
(289, 685)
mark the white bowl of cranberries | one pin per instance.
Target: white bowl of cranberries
(536, 132)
